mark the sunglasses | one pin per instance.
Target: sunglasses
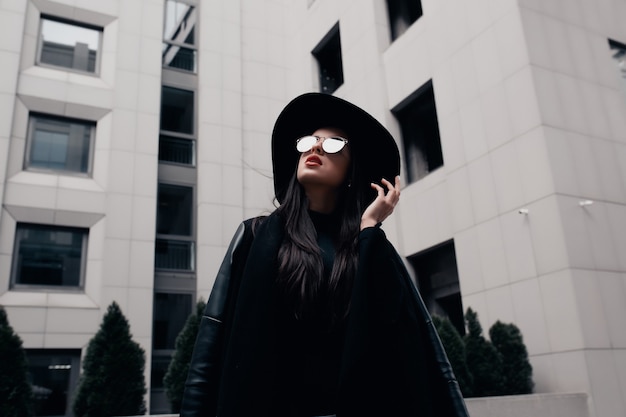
(331, 144)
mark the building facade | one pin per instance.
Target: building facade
(135, 136)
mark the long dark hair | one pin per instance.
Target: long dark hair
(300, 264)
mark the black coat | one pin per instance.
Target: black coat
(393, 362)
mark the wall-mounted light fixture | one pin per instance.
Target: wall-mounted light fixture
(584, 203)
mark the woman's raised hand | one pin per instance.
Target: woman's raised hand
(383, 204)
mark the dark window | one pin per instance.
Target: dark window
(69, 45)
(174, 210)
(159, 369)
(53, 375)
(417, 116)
(438, 282)
(51, 256)
(170, 314)
(179, 50)
(177, 150)
(177, 110)
(174, 218)
(328, 56)
(159, 403)
(618, 52)
(402, 14)
(60, 144)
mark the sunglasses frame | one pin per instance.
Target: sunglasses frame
(324, 142)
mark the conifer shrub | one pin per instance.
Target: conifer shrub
(455, 349)
(112, 382)
(483, 360)
(516, 368)
(178, 368)
(16, 399)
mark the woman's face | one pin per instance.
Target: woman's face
(317, 168)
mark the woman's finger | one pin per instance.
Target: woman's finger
(379, 190)
(393, 190)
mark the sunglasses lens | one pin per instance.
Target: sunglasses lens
(333, 145)
(330, 145)
(305, 143)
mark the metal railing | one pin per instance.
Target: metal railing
(174, 255)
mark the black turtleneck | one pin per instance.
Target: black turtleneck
(309, 347)
(327, 228)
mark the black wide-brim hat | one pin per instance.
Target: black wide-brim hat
(373, 147)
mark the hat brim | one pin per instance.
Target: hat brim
(376, 150)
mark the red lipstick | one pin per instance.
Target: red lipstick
(313, 160)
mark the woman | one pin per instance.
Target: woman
(313, 312)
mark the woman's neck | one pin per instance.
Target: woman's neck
(322, 201)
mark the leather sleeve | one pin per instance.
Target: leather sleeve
(457, 403)
(201, 387)
(375, 243)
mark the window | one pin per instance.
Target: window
(438, 281)
(174, 210)
(618, 52)
(171, 311)
(158, 371)
(417, 116)
(177, 110)
(51, 256)
(174, 245)
(179, 51)
(328, 56)
(170, 314)
(177, 141)
(53, 374)
(159, 402)
(60, 144)
(402, 14)
(69, 45)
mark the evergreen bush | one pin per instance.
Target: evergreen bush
(112, 382)
(483, 360)
(455, 349)
(15, 391)
(516, 367)
(176, 375)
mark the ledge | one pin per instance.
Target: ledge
(536, 405)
